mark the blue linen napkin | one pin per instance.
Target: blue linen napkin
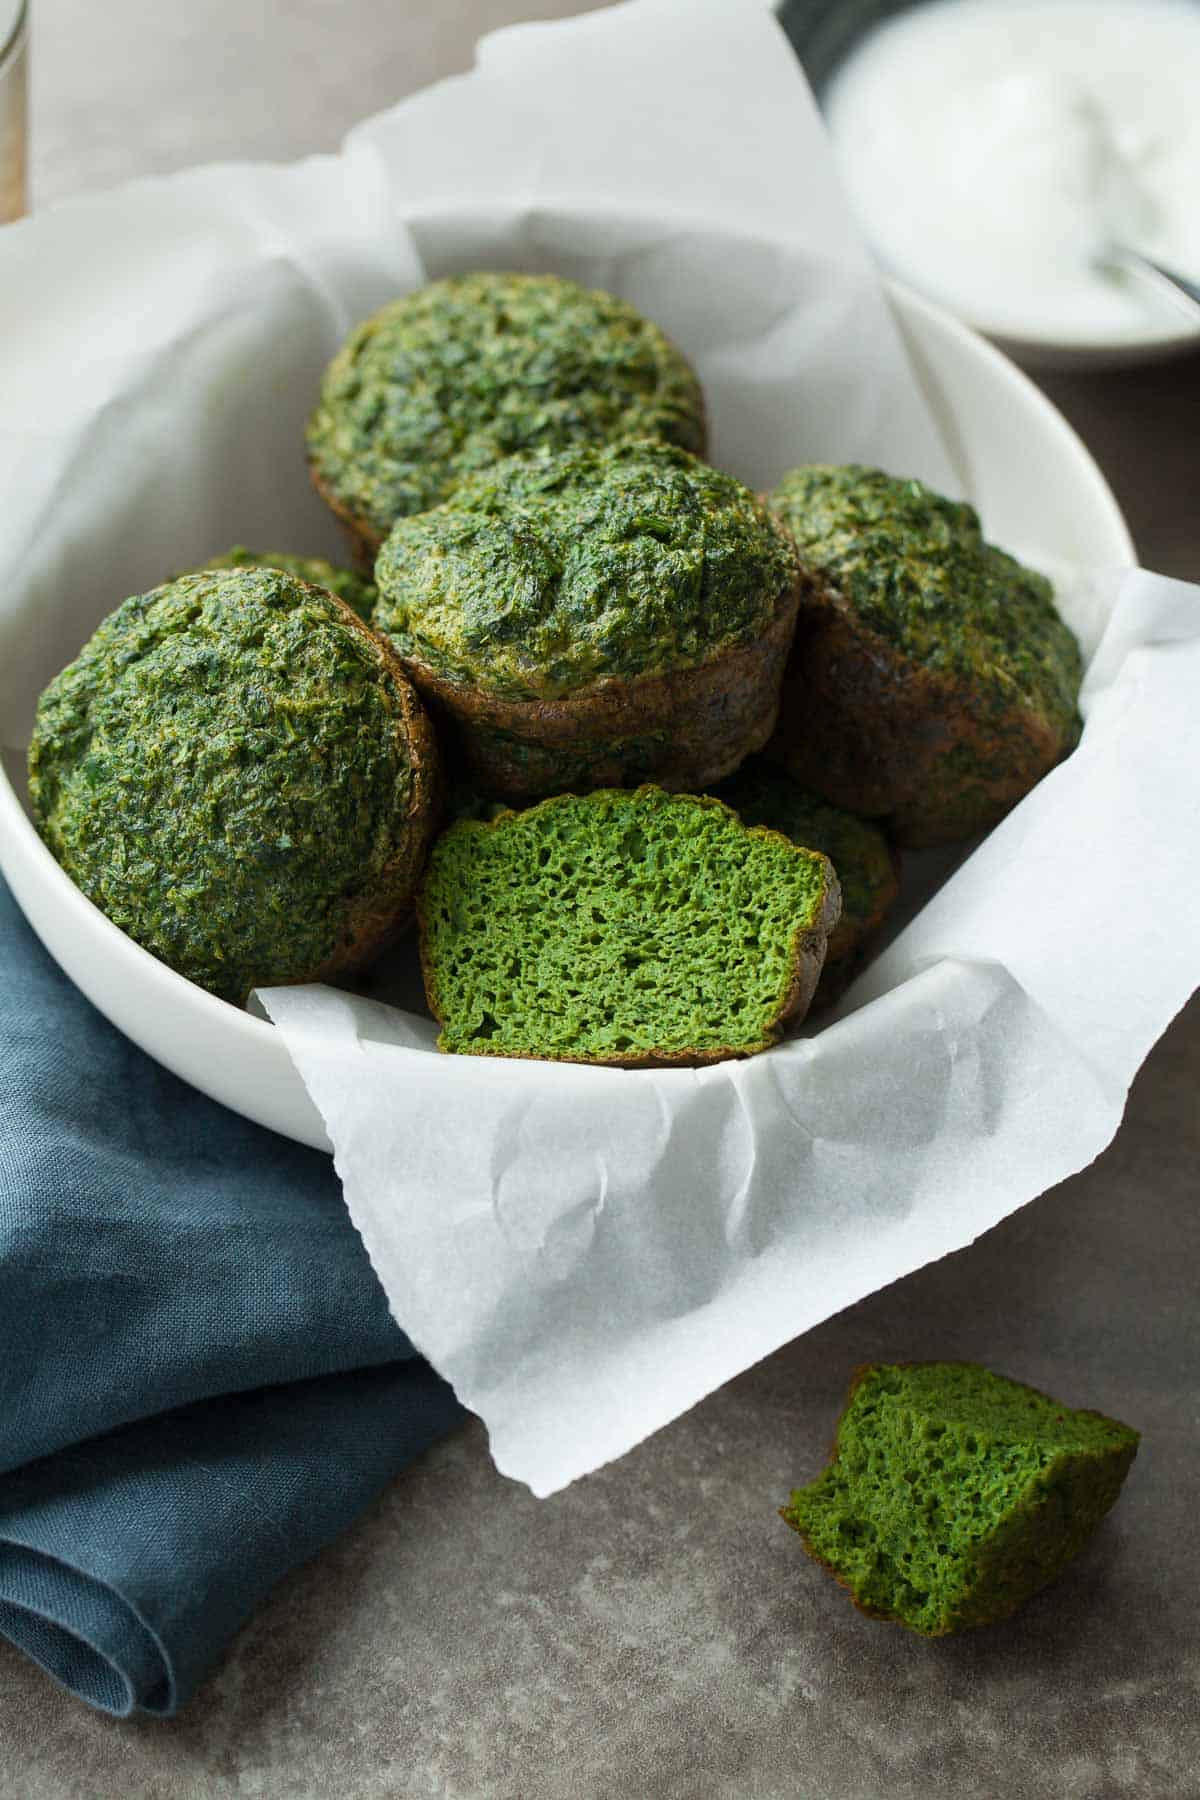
(200, 1382)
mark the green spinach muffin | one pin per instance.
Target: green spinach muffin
(357, 592)
(447, 380)
(590, 617)
(635, 928)
(955, 1494)
(932, 682)
(237, 771)
(867, 867)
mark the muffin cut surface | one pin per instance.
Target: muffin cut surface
(866, 867)
(954, 1494)
(239, 774)
(621, 927)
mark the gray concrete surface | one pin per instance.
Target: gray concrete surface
(654, 1633)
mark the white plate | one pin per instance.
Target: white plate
(1020, 462)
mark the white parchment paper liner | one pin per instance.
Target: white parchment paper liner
(585, 1253)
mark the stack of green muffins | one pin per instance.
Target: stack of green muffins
(567, 618)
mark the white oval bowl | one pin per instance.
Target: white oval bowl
(823, 37)
(1022, 465)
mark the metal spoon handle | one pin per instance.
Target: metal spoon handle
(1184, 292)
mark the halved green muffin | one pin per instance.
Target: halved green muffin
(445, 381)
(238, 772)
(932, 683)
(357, 592)
(867, 868)
(590, 617)
(635, 928)
(955, 1494)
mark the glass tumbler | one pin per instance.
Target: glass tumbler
(14, 40)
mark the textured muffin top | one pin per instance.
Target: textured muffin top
(955, 1493)
(916, 570)
(618, 926)
(449, 379)
(552, 570)
(762, 794)
(225, 771)
(358, 593)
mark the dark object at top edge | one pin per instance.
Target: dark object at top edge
(822, 32)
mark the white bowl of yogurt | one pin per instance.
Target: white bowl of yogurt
(989, 148)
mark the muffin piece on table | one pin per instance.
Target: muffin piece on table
(932, 682)
(868, 869)
(634, 928)
(355, 590)
(447, 380)
(594, 617)
(238, 772)
(955, 1494)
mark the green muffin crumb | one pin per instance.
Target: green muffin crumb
(865, 864)
(626, 927)
(916, 570)
(447, 380)
(954, 1494)
(236, 771)
(554, 570)
(358, 593)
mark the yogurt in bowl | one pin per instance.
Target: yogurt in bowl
(991, 148)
